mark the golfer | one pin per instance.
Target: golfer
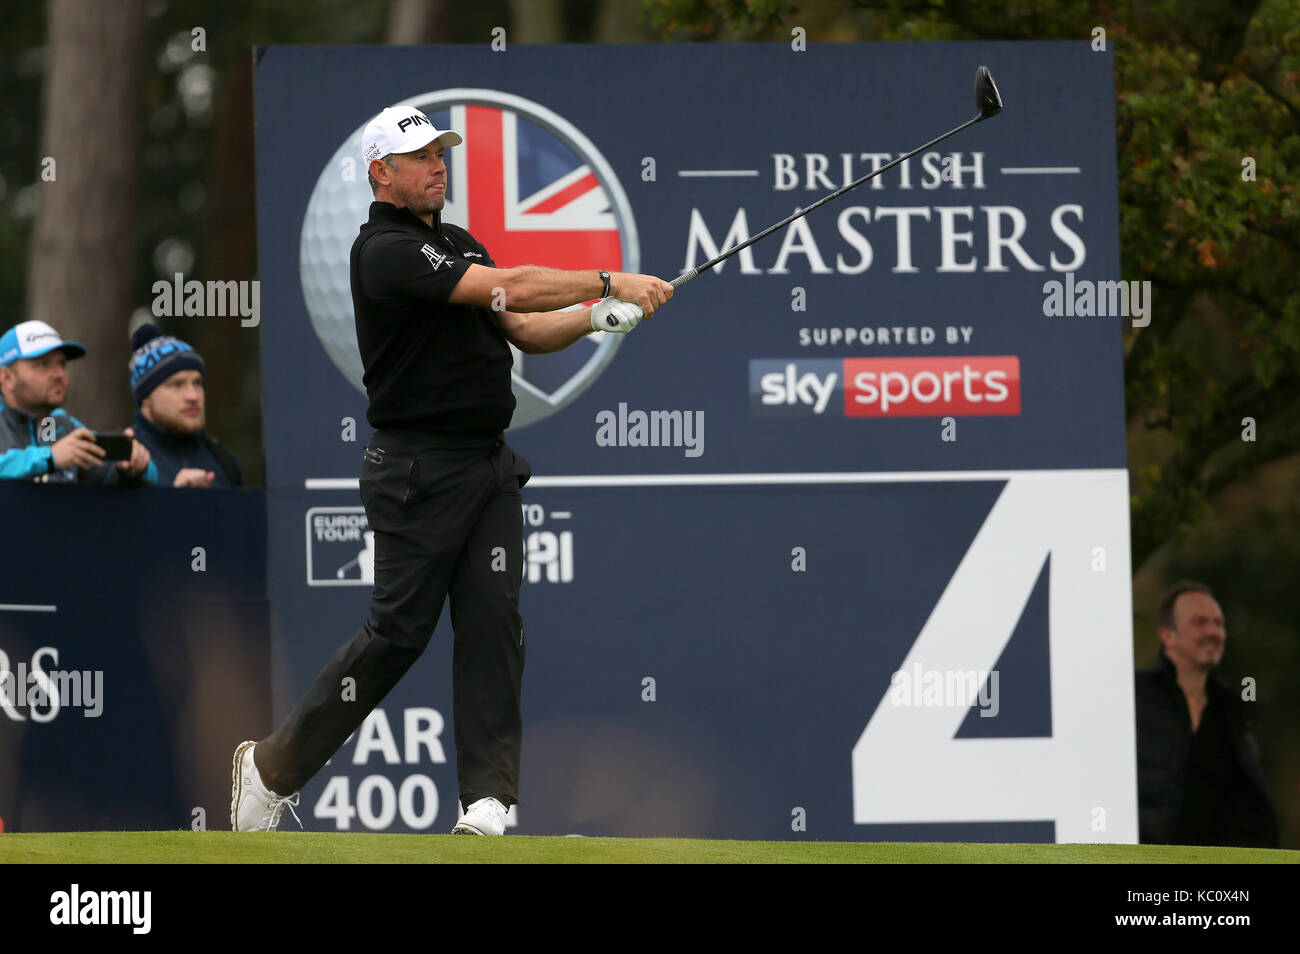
(440, 485)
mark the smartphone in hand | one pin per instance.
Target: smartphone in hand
(117, 446)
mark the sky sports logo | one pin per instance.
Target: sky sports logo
(972, 386)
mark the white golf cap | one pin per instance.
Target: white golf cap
(31, 339)
(402, 129)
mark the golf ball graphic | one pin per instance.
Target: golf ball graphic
(526, 184)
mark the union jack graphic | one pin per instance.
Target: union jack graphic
(532, 199)
(526, 183)
(528, 197)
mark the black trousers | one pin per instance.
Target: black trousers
(447, 518)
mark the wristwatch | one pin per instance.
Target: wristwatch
(604, 277)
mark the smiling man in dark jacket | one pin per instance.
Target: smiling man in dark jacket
(1200, 778)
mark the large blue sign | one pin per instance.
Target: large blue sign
(133, 648)
(864, 485)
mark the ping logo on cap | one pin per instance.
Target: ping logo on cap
(415, 120)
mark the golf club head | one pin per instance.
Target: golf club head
(987, 99)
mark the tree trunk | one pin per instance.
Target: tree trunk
(82, 258)
(619, 21)
(536, 21)
(230, 351)
(412, 22)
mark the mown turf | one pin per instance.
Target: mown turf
(186, 847)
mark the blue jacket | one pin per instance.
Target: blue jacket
(26, 455)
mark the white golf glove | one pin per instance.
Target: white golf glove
(615, 315)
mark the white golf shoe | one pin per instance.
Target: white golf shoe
(253, 806)
(487, 816)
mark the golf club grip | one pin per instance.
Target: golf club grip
(683, 278)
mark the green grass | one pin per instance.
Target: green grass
(185, 847)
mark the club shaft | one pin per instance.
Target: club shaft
(686, 276)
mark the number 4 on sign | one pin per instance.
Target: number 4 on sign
(909, 767)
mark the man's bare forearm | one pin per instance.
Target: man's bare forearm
(532, 288)
(545, 332)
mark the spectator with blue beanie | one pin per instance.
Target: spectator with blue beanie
(41, 442)
(167, 378)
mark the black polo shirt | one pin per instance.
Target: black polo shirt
(431, 367)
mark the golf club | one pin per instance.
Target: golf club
(987, 100)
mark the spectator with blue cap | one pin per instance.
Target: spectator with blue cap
(41, 442)
(167, 378)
